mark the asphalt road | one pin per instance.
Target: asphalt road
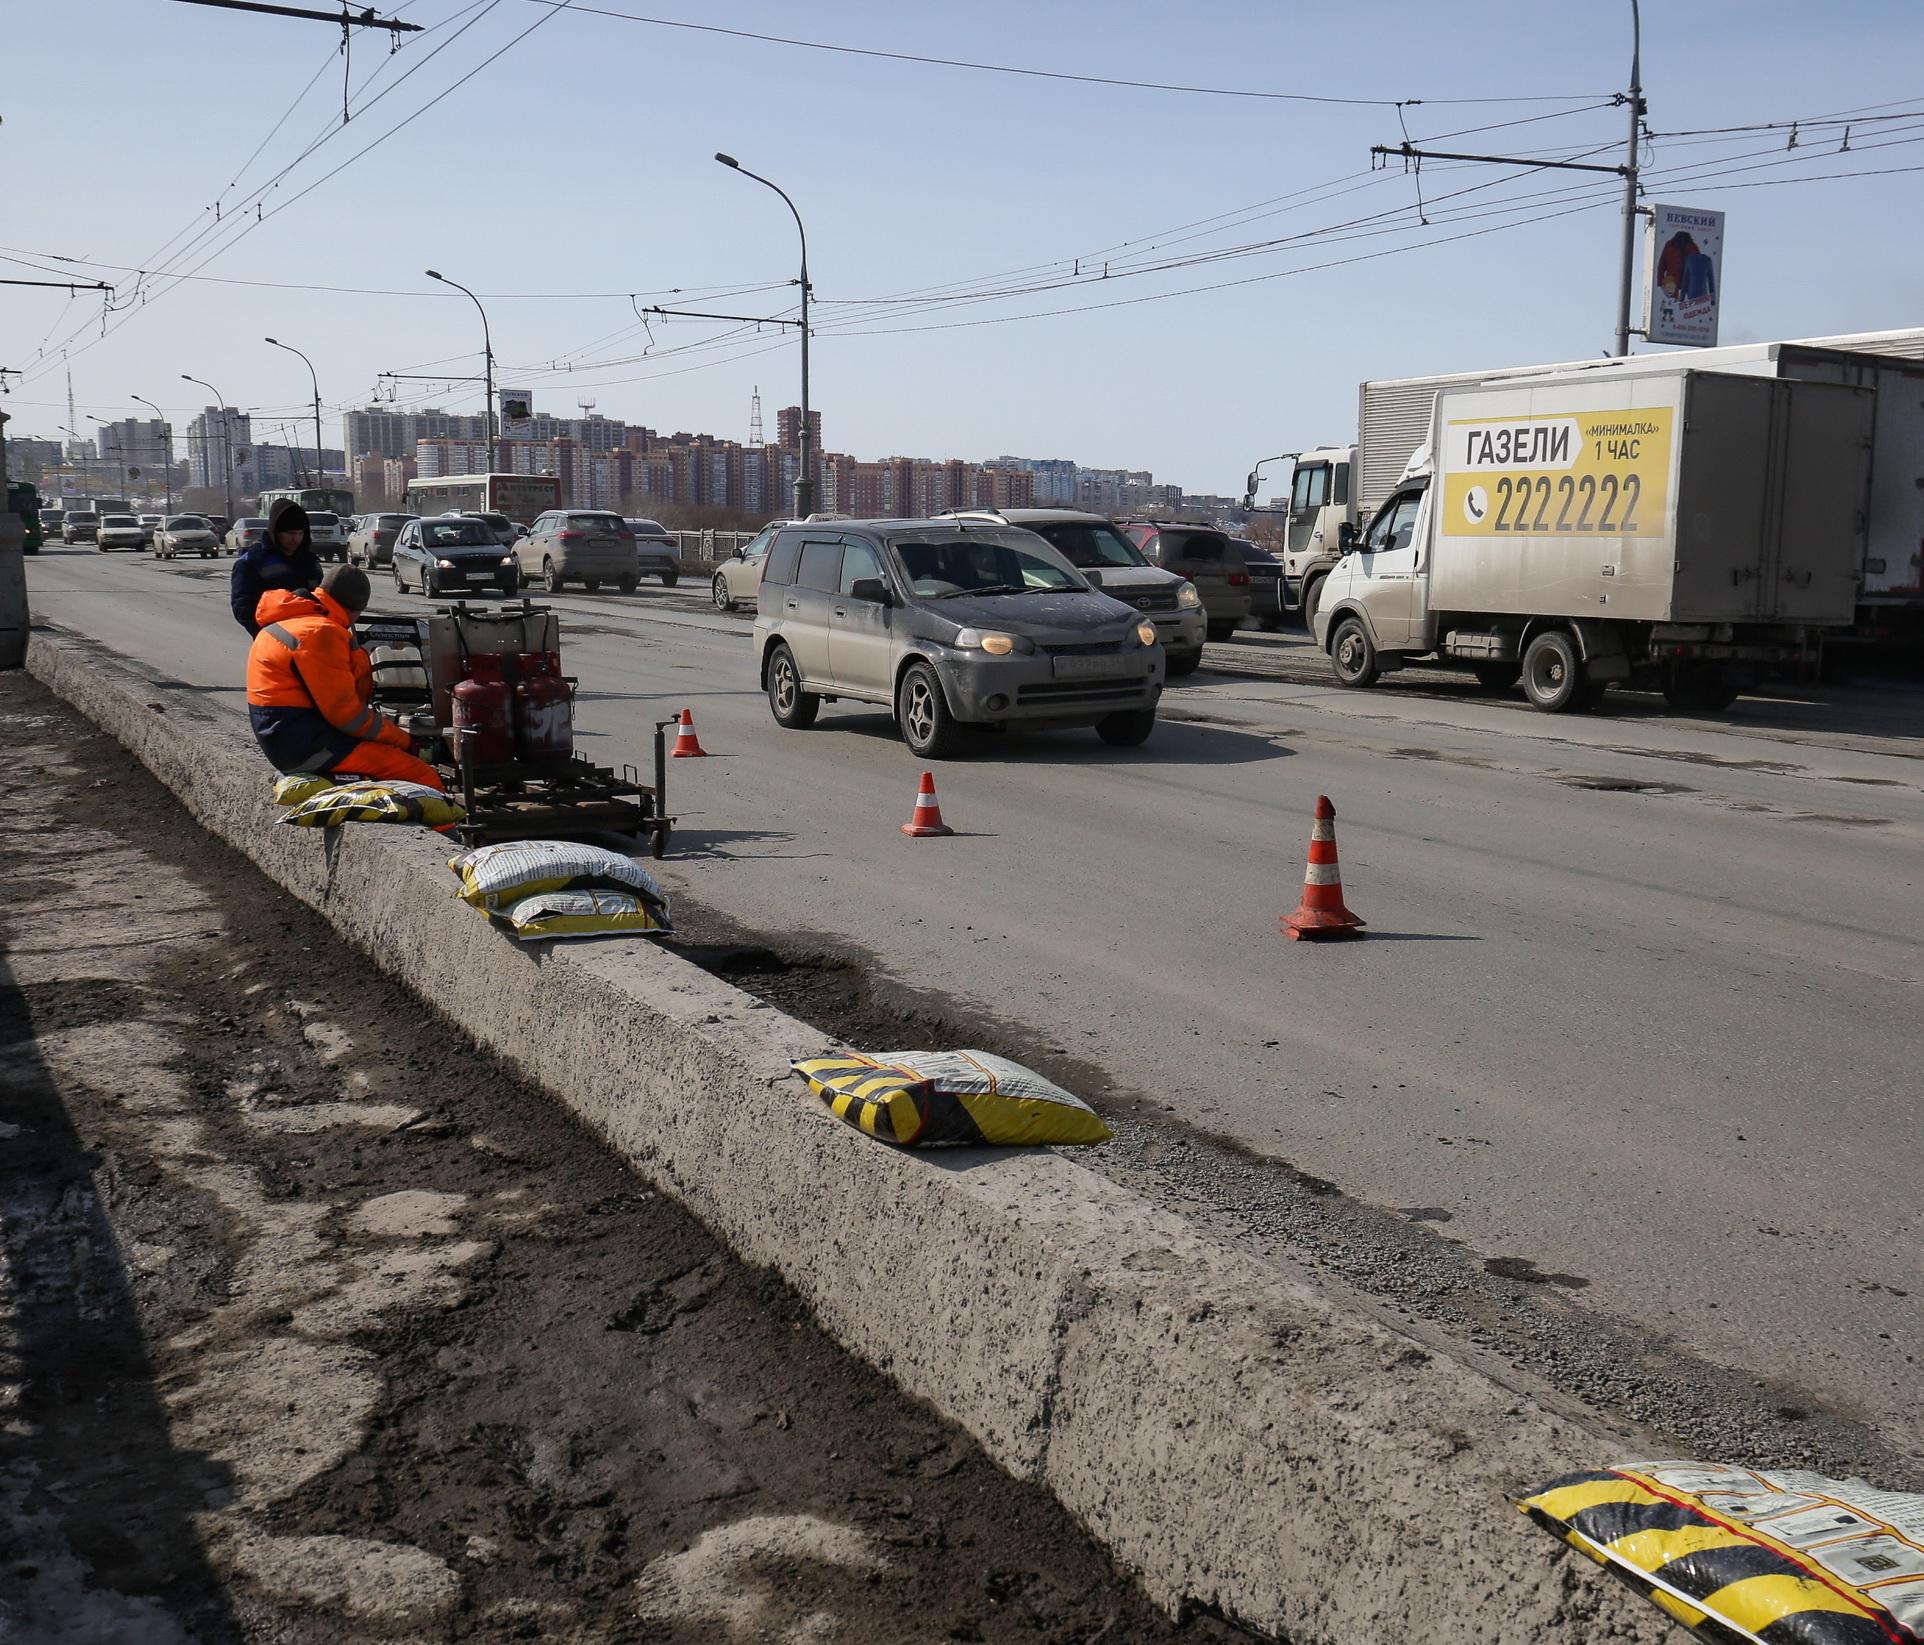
(1640, 1005)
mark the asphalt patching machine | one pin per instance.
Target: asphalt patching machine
(482, 690)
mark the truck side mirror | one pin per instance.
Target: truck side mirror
(1348, 536)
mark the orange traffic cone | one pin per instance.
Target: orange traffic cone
(686, 746)
(927, 820)
(1322, 913)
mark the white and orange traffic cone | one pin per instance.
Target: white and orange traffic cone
(687, 747)
(1322, 912)
(927, 820)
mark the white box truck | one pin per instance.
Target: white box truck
(1393, 418)
(1669, 528)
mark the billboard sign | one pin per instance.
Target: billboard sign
(1683, 275)
(517, 408)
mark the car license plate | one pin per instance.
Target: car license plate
(1086, 668)
(480, 576)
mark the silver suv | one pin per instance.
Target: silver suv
(1092, 544)
(950, 623)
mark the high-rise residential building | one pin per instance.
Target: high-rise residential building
(788, 428)
(1054, 478)
(386, 432)
(143, 443)
(27, 458)
(219, 441)
(435, 459)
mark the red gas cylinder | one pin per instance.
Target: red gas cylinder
(484, 712)
(544, 710)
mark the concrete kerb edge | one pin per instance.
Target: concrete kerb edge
(1240, 1441)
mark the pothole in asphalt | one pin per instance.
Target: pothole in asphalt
(1622, 785)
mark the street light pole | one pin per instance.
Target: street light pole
(487, 356)
(167, 463)
(319, 470)
(1630, 211)
(805, 474)
(226, 440)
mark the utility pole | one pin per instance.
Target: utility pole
(167, 436)
(1628, 171)
(1631, 211)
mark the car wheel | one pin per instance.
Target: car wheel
(206, 553)
(922, 714)
(1352, 654)
(670, 578)
(629, 584)
(551, 578)
(430, 584)
(1127, 730)
(1553, 673)
(1312, 598)
(1183, 662)
(592, 584)
(1220, 631)
(1272, 624)
(794, 709)
(719, 588)
(399, 586)
(1497, 676)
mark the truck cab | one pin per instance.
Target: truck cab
(1321, 504)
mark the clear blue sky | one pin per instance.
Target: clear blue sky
(579, 162)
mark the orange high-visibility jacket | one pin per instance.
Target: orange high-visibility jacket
(309, 683)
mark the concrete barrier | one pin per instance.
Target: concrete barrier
(1241, 1440)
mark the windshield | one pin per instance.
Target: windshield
(322, 517)
(1088, 543)
(186, 522)
(118, 520)
(440, 534)
(983, 565)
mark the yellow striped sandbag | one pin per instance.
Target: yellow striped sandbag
(1740, 1554)
(392, 801)
(889, 1104)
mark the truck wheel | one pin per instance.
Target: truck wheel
(1129, 729)
(922, 714)
(670, 578)
(629, 584)
(1497, 676)
(1312, 598)
(1183, 662)
(1219, 632)
(1553, 673)
(794, 709)
(592, 584)
(1699, 688)
(1352, 654)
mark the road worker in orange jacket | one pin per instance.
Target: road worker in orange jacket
(310, 687)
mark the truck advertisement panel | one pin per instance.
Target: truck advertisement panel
(1683, 271)
(1575, 474)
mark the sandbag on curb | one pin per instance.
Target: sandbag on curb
(1739, 1554)
(919, 1098)
(586, 914)
(389, 801)
(302, 786)
(496, 877)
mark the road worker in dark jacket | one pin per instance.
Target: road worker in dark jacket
(284, 558)
(310, 687)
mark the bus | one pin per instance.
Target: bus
(521, 497)
(24, 499)
(315, 499)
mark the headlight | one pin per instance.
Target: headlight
(1146, 632)
(1187, 598)
(507, 559)
(993, 643)
(445, 565)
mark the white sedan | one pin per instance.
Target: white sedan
(185, 534)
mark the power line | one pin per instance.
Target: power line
(1036, 73)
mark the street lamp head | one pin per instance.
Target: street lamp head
(729, 160)
(434, 274)
(271, 340)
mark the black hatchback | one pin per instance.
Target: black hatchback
(452, 554)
